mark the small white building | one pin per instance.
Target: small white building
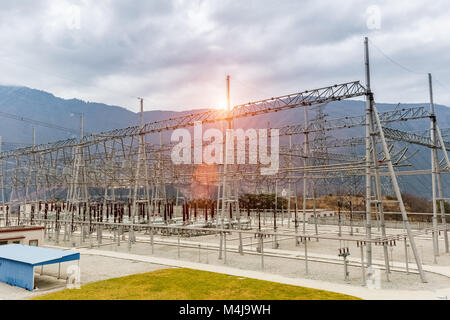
(25, 235)
(320, 213)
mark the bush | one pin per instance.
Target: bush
(417, 204)
(262, 201)
(446, 207)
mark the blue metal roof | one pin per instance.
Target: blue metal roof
(36, 256)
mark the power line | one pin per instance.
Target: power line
(37, 122)
(408, 69)
(441, 84)
(115, 92)
(15, 143)
(395, 62)
(249, 86)
(20, 96)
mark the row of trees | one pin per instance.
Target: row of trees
(267, 201)
(262, 201)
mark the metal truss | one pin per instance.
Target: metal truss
(413, 138)
(445, 132)
(306, 98)
(357, 121)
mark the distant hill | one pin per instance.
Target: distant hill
(43, 106)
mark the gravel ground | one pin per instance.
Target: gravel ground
(294, 268)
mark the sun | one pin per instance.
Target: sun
(221, 105)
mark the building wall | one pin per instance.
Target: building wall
(16, 273)
(309, 214)
(23, 236)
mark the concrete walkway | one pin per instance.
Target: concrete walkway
(361, 292)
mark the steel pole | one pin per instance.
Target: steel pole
(399, 195)
(369, 98)
(434, 168)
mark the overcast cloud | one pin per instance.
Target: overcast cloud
(176, 54)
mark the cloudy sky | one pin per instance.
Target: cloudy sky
(176, 54)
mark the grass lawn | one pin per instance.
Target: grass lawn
(188, 284)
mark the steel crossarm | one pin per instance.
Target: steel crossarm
(306, 98)
(411, 137)
(357, 121)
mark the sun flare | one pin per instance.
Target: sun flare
(221, 105)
